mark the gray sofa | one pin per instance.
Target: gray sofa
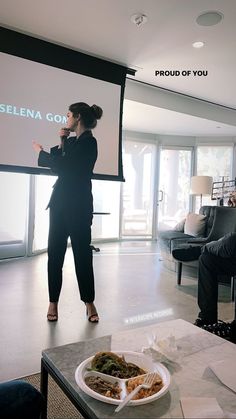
(219, 221)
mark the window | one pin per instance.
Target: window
(43, 190)
(106, 198)
(14, 192)
(215, 161)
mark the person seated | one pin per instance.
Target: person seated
(19, 399)
(217, 258)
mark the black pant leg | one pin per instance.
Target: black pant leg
(207, 288)
(57, 245)
(210, 266)
(80, 234)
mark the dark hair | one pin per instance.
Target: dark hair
(88, 114)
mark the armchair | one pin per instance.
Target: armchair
(224, 222)
(219, 221)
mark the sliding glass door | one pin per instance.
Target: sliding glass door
(174, 186)
(14, 192)
(139, 160)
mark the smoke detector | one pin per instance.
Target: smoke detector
(139, 19)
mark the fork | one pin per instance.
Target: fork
(147, 383)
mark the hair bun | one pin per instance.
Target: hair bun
(97, 111)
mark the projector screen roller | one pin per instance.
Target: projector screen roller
(35, 98)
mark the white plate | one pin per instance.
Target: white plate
(135, 357)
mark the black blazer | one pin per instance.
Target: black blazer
(73, 188)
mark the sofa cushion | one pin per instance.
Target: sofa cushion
(180, 225)
(168, 236)
(195, 225)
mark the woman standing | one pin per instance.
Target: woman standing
(71, 204)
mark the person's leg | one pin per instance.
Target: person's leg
(210, 266)
(57, 245)
(80, 240)
(207, 288)
(19, 399)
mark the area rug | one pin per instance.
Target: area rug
(59, 406)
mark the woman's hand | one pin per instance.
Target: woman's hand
(64, 132)
(37, 147)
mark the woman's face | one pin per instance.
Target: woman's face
(72, 122)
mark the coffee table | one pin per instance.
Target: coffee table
(190, 375)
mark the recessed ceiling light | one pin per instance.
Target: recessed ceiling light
(210, 18)
(139, 19)
(198, 44)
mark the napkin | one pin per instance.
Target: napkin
(224, 370)
(160, 349)
(201, 407)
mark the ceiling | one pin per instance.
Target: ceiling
(166, 122)
(104, 29)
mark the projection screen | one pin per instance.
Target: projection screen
(35, 97)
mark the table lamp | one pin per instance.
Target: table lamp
(201, 185)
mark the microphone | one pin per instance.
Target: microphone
(63, 139)
(66, 132)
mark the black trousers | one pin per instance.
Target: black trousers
(66, 223)
(210, 267)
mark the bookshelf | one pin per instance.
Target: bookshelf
(223, 188)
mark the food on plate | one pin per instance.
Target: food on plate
(103, 387)
(144, 392)
(112, 364)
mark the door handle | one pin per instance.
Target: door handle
(161, 196)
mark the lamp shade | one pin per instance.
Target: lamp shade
(201, 185)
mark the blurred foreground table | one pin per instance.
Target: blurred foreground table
(190, 374)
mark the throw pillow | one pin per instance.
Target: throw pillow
(195, 225)
(180, 226)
